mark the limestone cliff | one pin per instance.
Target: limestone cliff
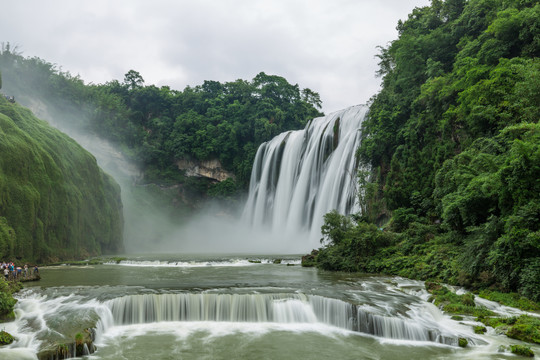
(211, 169)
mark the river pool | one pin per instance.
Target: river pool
(239, 307)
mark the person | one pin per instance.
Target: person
(25, 270)
(36, 270)
(6, 272)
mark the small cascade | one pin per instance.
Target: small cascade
(279, 308)
(136, 309)
(299, 176)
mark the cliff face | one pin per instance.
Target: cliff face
(55, 202)
(211, 169)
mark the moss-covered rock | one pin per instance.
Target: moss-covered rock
(479, 329)
(525, 328)
(69, 346)
(521, 350)
(5, 338)
(453, 303)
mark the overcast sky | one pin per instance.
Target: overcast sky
(328, 46)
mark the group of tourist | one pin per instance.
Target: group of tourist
(12, 272)
(11, 99)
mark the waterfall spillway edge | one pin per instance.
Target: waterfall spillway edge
(278, 308)
(299, 176)
(162, 310)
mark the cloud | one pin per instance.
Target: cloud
(327, 46)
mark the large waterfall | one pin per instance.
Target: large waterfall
(299, 176)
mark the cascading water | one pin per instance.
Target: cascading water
(299, 176)
(258, 310)
(269, 308)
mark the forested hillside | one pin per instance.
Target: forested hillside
(55, 202)
(157, 126)
(453, 144)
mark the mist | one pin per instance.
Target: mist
(151, 223)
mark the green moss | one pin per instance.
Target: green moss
(510, 299)
(497, 322)
(7, 302)
(462, 342)
(479, 329)
(5, 338)
(526, 328)
(55, 202)
(457, 317)
(521, 350)
(453, 303)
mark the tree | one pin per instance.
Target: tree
(133, 80)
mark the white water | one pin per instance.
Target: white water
(299, 176)
(41, 315)
(215, 263)
(218, 309)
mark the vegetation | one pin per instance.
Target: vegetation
(453, 143)
(55, 202)
(524, 327)
(5, 338)
(453, 303)
(156, 127)
(510, 299)
(7, 302)
(521, 350)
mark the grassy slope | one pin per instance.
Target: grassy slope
(55, 202)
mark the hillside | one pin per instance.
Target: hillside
(55, 202)
(452, 141)
(164, 130)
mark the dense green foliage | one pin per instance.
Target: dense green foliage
(157, 126)
(7, 302)
(55, 202)
(453, 142)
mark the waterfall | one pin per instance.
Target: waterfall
(299, 176)
(278, 308)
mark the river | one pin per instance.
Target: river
(239, 307)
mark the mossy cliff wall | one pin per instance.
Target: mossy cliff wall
(55, 202)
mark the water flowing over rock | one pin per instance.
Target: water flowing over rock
(299, 176)
(278, 308)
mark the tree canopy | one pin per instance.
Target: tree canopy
(452, 141)
(156, 126)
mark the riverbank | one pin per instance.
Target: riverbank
(521, 327)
